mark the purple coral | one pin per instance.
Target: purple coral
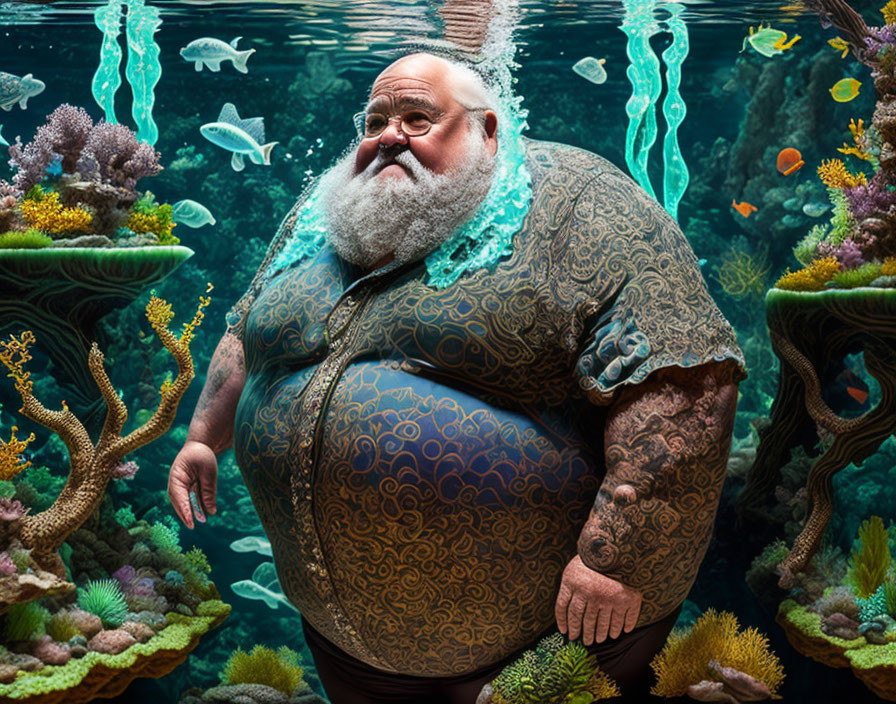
(872, 199)
(125, 470)
(64, 135)
(113, 155)
(11, 510)
(7, 566)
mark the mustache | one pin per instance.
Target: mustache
(404, 158)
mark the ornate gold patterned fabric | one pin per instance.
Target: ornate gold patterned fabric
(424, 459)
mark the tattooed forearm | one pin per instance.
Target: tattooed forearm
(667, 443)
(212, 421)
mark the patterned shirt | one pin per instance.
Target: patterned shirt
(424, 459)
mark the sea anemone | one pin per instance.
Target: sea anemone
(105, 599)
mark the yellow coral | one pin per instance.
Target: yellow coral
(14, 354)
(142, 223)
(743, 275)
(888, 268)
(48, 215)
(889, 12)
(860, 140)
(834, 174)
(812, 278)
(685, 658)
(10, 462)
(187, 335)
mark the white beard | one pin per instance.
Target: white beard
(369, 217)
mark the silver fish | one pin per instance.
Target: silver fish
(3, 141)
(210, 52)
(239, 136)
(17, 90)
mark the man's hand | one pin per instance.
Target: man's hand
(194, 469)
(594, 606)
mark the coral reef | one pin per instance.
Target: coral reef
(688, 656)
(556, 671)
(278, 669)
(78, 177)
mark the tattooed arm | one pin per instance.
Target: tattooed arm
(667, 442)
(211, 431)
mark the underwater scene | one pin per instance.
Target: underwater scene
(389, 350)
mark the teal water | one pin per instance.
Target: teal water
(312, 69)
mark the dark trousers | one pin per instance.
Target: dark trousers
(347, 680)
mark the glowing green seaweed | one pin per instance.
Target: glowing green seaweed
(675, 171)
(143, 69)
(643, 72)
(107, 78)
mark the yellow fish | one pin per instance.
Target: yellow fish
(839, 45)
(845, 90)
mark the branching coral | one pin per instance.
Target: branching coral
(685, 659)
(812, 278)
(91, 466)
(10, 461)
(113, 155)
(834, 174)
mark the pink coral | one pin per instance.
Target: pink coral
(89, 624)
(125, 470)
(7, 566)
(11, 510)
(50, 652)
(111, 642)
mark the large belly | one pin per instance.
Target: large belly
(445, 523)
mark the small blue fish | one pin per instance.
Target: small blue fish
(54, 168)
(239, 136)
(3, 141)
(210, 52)
(192, 214)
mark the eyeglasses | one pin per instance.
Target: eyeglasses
(373, 124)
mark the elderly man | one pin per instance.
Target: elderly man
(477, 391)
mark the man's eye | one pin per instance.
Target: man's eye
(417, 119)
(375, 122)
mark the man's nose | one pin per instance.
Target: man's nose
(392, 135)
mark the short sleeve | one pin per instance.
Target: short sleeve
(636, 288)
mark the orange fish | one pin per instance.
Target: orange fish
(744, 208)
(789, 161)
(857, 394)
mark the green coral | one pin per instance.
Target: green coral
(854, 278)
(805, 250)
(278, 669)
(32, 238)
(870, 563)
(165, 540)
(25, 621)
(105, 599)
(125, 517)
(555, 672)
(149, 216)
(873, 606)
(841, 221)
(61, 627)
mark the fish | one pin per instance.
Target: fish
(744, 208)
(845, 90)
(17, 90)
(192, 214)
(847, 392)
(210, 52)
(840, 45)
(790, 161)
(3, 141)
(815, 210)
(769, 42)
(591, 69)
(239, 136)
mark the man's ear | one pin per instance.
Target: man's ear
(491, 132)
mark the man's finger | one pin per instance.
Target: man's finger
(617, 622)
(589, 622)
(603, 625)
(560, 607)
(209, 491)
(574, 615)
(631, 617)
